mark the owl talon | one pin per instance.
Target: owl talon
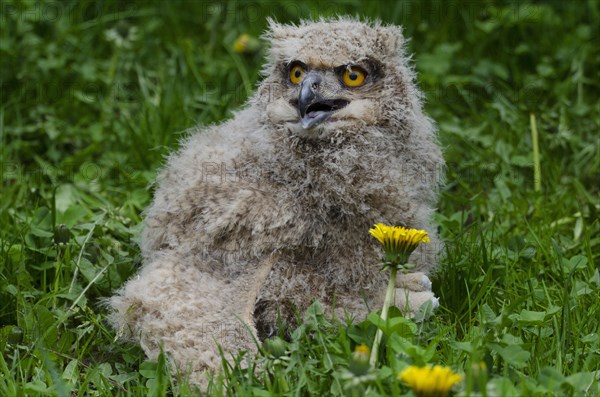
(416, 282)
(426, 282)
(411, 303)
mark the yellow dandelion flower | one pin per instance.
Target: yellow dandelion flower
(398, 242)
(430, 381)
(362, 349)
(246, 44)
(359, 363)
(241, 43)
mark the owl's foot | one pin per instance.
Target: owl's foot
(414, 296)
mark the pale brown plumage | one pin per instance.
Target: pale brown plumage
(261, 215)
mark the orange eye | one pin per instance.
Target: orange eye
(353, 76)
(296, 74)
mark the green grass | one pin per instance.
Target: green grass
(86, 117)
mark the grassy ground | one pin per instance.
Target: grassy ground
(94, 94)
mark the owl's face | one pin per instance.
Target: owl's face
(320, 93)
(331, 77)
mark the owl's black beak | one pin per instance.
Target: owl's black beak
(313, 108)
(308, 92)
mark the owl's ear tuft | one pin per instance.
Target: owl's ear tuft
(390, 39)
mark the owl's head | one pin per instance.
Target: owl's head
(334, 77)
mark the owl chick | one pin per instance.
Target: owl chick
(256, 218)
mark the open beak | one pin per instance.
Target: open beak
(313, 108)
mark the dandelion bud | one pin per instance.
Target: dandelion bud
(275, 346)
(62, 235)
(11, 334)
(479, 375)
(359, 363)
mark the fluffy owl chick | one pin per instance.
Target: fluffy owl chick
(256, 218)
